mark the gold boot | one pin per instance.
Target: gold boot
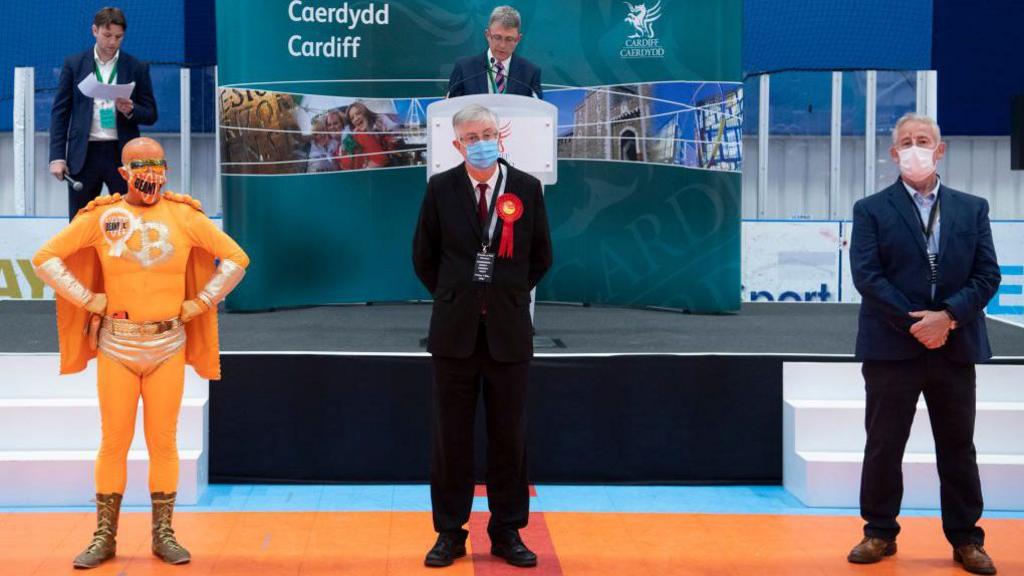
(103, 546)
(165, 547)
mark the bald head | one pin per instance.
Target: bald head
(141, 148)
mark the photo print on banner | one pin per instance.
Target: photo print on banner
(689, 124)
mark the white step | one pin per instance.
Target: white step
(823, 437)
(38, 376)
(50, 433)
(66, 478)
(832, 479)
(843, 381)
(74, 424)
(838, 425)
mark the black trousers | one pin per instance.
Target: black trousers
(893, 388)
(101, 163)
(457, 386)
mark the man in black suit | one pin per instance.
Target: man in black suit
(86, 135)
(481, 244)
(497, 71)
(924, 263)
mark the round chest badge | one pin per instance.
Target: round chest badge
(117, 225)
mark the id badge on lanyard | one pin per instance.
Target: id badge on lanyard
(483, 268)
(108, 119)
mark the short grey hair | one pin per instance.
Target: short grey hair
(506, 16)
(912, 117)
(473, 113)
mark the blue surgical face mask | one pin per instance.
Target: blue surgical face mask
(482, 154)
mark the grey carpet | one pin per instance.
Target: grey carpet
(760, 328)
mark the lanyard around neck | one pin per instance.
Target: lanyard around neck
(499, 189)
(933, 216)
(99, 75)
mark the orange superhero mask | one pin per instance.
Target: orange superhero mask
(145, 170)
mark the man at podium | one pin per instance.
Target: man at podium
(497, 71)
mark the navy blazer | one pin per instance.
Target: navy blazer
(890, 268)
(470, 77)
(71, 117)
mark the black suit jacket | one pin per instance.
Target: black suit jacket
(447, 239)
(470, 77)
(71, 117)
(890, 268)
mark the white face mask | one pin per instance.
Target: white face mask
(916, 163)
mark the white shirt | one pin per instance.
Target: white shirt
(505, 67)
(491, 183)
(97, 132)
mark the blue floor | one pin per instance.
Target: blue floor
(416, 498)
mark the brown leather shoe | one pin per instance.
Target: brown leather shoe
(871, 550)
(974, 558)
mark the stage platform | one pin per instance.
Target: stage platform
(758, 329)
(341, 394)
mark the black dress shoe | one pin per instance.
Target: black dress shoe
(511, 548)
(447, 548)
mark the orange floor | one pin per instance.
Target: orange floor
(585, 544)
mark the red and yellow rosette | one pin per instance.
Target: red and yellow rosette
(510, 209)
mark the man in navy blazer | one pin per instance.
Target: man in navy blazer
(925, 265)
(497, 71)
(86, 135)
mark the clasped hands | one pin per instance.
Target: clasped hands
(932, 328)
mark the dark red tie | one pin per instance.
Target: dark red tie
(482, 204)
(482, 209)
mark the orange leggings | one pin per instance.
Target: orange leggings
(119, 390)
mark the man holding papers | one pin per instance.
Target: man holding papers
(103, 96)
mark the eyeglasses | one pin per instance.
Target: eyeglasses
(470, 139)
(138, 164)
(505, 39)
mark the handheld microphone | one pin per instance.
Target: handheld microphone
(75, 184)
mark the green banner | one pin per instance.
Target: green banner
(323, 143)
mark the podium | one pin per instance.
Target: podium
(529, 137)
(528, 127)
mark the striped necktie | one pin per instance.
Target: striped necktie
(499, 77)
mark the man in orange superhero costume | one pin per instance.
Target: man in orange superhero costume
(137, 288)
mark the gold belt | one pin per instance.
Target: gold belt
(123, 327)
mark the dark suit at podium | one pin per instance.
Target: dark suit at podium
(473, 74)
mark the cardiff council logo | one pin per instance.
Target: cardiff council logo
(642, 18)
(642, 43)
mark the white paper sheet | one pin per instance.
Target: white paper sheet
(93, 88)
